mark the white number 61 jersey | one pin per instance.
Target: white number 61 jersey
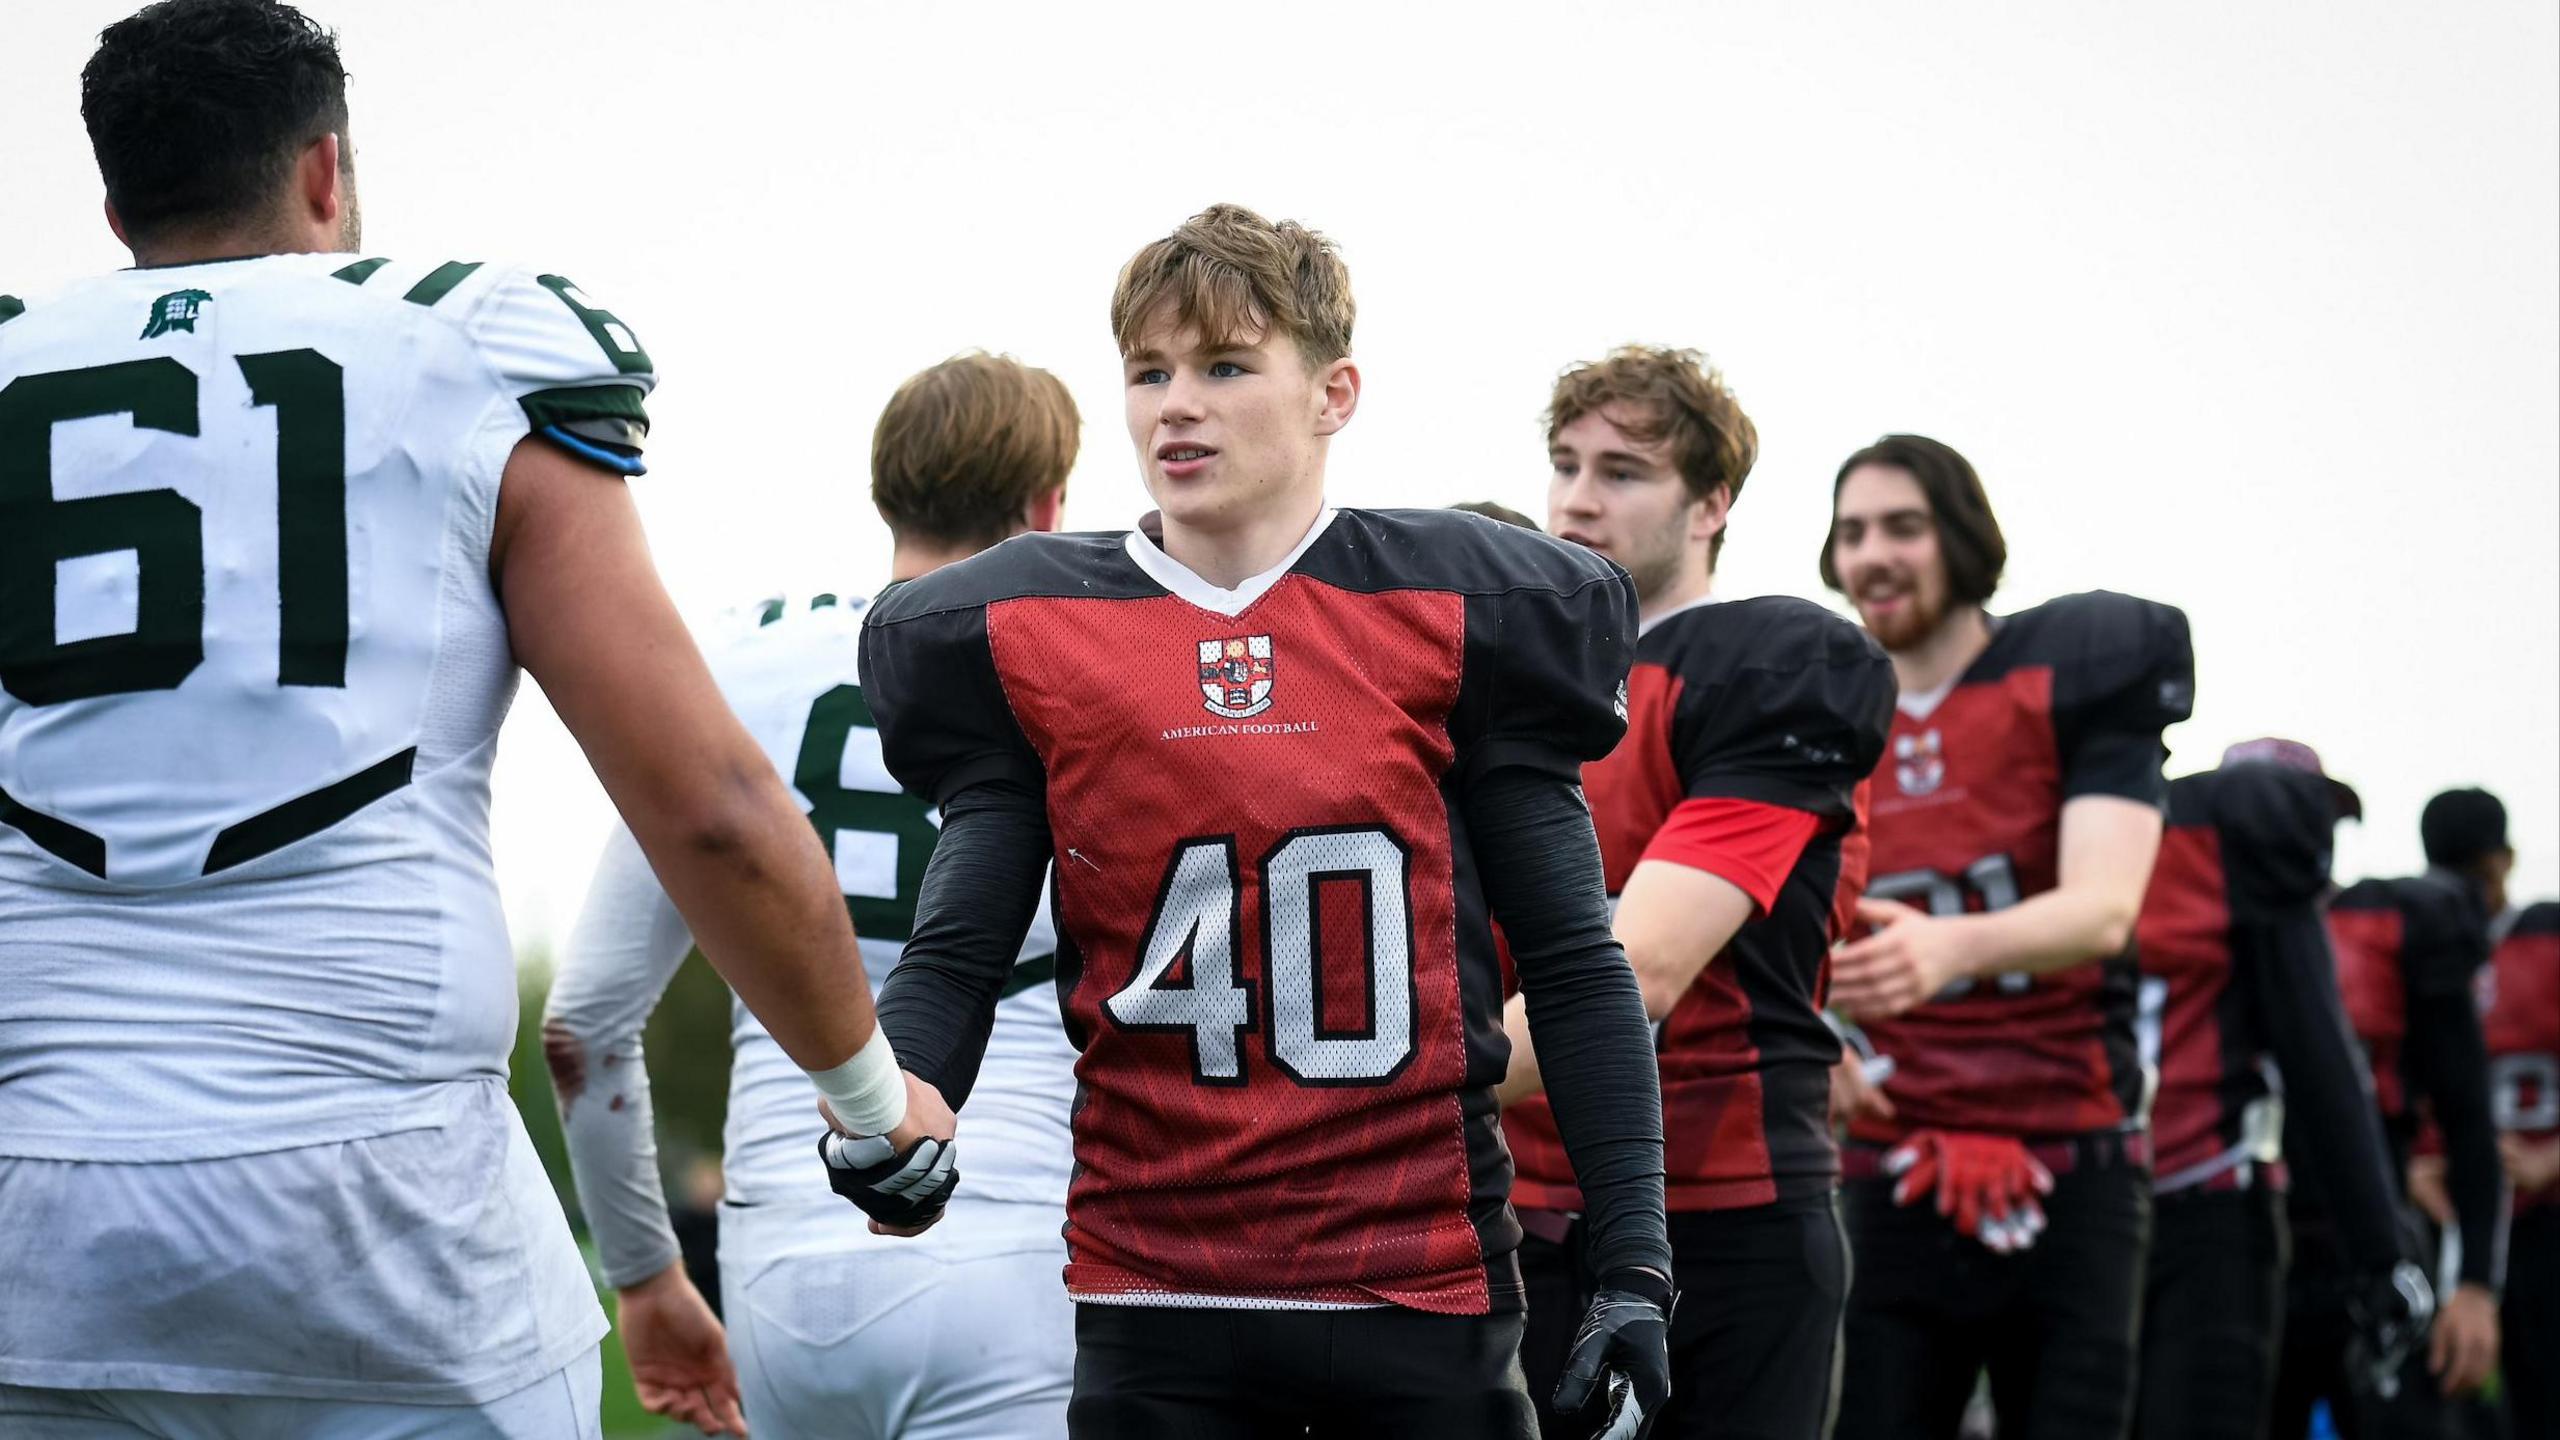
(252, 669)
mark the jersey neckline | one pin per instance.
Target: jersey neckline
(1183, 584)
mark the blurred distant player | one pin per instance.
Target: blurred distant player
(1290, 762)
(838, 1331)
(277, 525)
(2408, 952)
(2521, 1021)
(2241, 1019)
(1729, 830)
(2015, 819)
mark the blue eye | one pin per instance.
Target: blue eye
(1148, 377)
(1225, 370)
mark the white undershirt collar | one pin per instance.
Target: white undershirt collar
(1926, 702)
(1178, 578)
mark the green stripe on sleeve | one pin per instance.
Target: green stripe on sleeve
(570, 405)
(359, 272)
(440, 282)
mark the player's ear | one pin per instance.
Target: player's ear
(115, 222)
(1708, 513)
(1338, 392)
(319, 184)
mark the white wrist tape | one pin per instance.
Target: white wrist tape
(868, 1092)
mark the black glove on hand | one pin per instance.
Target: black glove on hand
(2387, 1317)
(906, 1188)
(1624, 1343)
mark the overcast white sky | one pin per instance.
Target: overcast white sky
(2252, 309)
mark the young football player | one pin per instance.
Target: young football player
(1729, 829)
(969, 452)
(2520, 1020)
(1290, 762)
(2014, 823)
(2240, 1019)
(277, 526)
(2408, 951)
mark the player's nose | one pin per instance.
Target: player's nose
(1180, 400)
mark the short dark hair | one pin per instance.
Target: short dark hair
(2459, 828)
(1968, 533)
(197, 108)
(964, 446)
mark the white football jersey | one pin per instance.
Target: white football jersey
(790, 672)
(252, 669)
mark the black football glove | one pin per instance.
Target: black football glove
(1624, 1344)
(906, 1188)
(2387, 1318)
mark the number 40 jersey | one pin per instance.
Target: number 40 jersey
(252, 668)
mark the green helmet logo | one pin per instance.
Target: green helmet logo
(176, 310)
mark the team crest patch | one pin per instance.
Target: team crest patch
(1235, 675)
(176, 310)
(1919, 762)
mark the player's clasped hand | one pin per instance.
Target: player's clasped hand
(1906, 957)
(1986, 1184)
(903, 1191)
(1624, 1343)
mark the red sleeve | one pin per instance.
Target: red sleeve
(1752, 845)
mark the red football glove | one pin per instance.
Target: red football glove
(1986, 1184)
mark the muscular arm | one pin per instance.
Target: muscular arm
(1541, 866)
(1673, 920)
(2450, 1064)
(591, 623)
(2106, 849)
(2291, 984)
(980, 891)
(2107, 846)
(626, 947)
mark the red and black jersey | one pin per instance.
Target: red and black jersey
(1274, 950)
(2520, 1019)
(2395, 939)
(1751, 728)
(2245, 844)
(2069, 699)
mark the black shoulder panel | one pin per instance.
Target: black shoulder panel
(1781, 702)
(1453, 550)
(1092, 563)
(2539, 918)
(2191, 798)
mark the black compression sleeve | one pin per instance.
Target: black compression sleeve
(2292, 985)
(1533, 842)
(2451, 1065)
(979, 892)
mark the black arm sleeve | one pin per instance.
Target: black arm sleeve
(2124, 672)
(980, 889)
(2451, 1064)
(1532, 838)
(2293, 988)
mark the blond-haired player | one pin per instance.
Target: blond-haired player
(838, 1331)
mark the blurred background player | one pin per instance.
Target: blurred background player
(1290, 763)
(2014, 823)
(1729, 831)
(260, 506)
(2520, 1019)
(838, 1331)
(2241, 1020)
(2408, 951)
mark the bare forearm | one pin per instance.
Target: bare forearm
(744, 867)
(2053, 931)
(1521, 1079)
